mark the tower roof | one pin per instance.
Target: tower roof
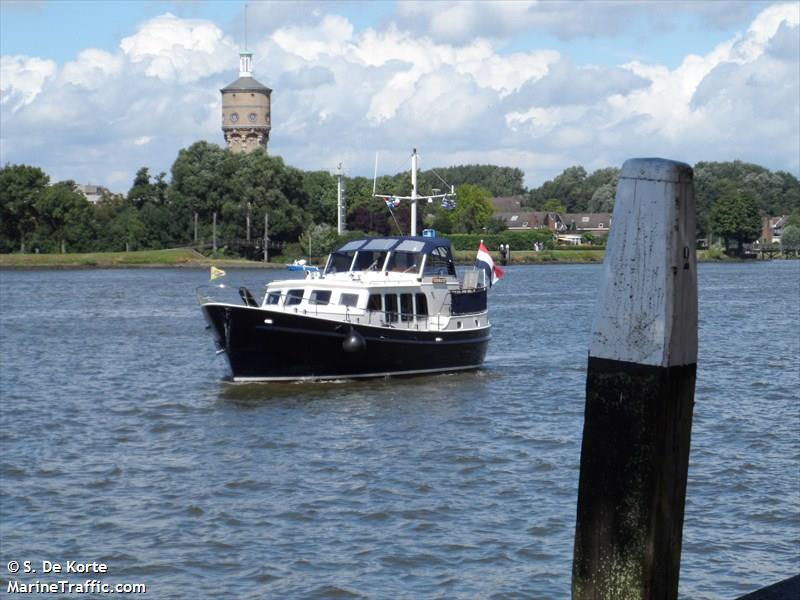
(246, 84)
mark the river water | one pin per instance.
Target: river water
(121, 444)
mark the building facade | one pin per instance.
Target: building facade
(246, 110)
(93, 193)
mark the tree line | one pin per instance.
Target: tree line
(731, 197)
(239, 189)
(207, 180)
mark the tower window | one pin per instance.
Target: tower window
(252, 117)
(234, 117)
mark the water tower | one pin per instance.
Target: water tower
(246, 110)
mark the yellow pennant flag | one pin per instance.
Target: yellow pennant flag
(215, 272)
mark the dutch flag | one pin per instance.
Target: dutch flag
(485, 262)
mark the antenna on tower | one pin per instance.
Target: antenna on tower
(245, 27)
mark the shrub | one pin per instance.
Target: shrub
(517, 240)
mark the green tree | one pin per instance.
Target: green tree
(319, 240)
(774, 193)
(207, 179)
(569, 188)
(105, 213)
(127, 230)
(320, 188)
(500, 181)
(20, 188)
(198, 184)
(65, 219)
(144, 191)
(554, 206)
(442, 221)
(790, 238)
(604, 182)
(793, 219)
(735, 217)
(473, 209)
(496, 225)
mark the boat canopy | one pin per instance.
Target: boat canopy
(405, 254)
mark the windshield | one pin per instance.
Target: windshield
(368, 260)
(339, 262)
(405, 262)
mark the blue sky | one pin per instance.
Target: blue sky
(64, 27)
(89, 89)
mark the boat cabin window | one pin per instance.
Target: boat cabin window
(374, 302)
(439, 263)
(373, 255)
(406, 307)
(422, 306)
(339, 262)
(369, 260)
(390, 302)
(407, 257)
(320, 297)
(404, 262)
(293, 297)
(348, 300)
(273, 298)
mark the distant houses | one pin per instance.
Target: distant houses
(568, 227)
(93, 193)
(772, 228)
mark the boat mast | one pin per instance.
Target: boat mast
(414, 192)
(391, 200)
(340, 220)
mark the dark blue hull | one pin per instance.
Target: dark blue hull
(275, 346)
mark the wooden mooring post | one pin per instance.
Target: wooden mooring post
(639, 392)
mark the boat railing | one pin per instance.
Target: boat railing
(285, 302)
(225, 294)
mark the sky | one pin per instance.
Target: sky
(92, 90)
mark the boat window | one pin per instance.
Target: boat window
(351, 246)
(348, 299)
(374, 302)
(293, 297)
(339, 262)
(404, 262)
(320, 297)
(366, 260)
(390, 302)
(406, 307)
(439, 263)
(273, 298)
(422, 306)
(380, 244)
(410, 246)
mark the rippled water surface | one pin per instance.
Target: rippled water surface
(121, 444)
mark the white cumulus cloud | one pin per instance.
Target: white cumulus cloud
(447, 86)
(174, 49)
(22, 79)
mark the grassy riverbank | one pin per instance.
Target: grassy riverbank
(178, 257)
(545, 256)
(185, 257)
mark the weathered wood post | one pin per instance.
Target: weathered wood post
(640, 391)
